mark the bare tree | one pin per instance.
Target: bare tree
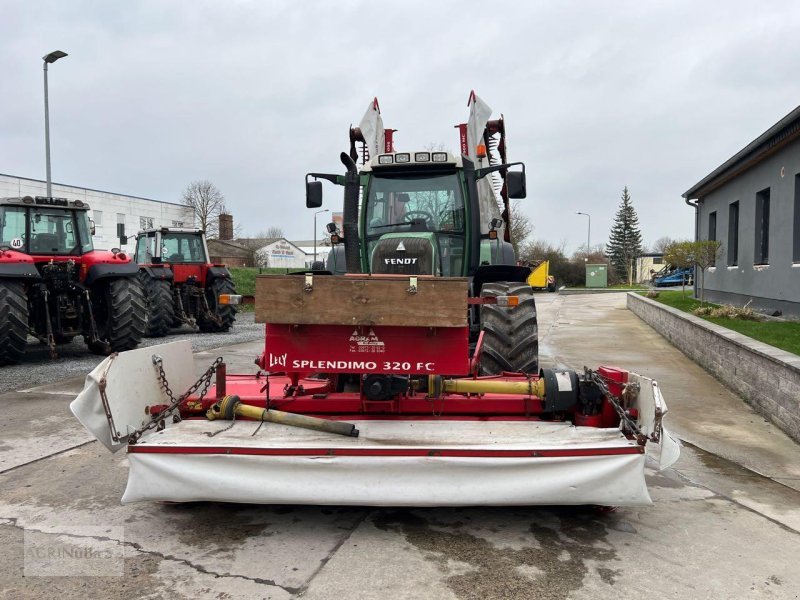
(680, 256)
(521, 227)
(661, 244)
(705, 254)
(207, 202)
(273, 232)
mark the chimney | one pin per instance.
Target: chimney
(225, 226)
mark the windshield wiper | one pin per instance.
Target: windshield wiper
(392, 225)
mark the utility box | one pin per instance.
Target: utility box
(596, 276)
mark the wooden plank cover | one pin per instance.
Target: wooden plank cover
(362, 300)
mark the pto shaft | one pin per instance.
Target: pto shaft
(486, 386)
(232, 405)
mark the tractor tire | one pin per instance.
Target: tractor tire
(120, 314)
(226, 312)
(510, 334)
(13, 322)
(159, 303)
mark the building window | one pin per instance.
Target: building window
(712, 226)
(762, 228)
(145, 222)
(177, 223)
(97, 215)
(796, 231)
(733, 234)
(658, 260)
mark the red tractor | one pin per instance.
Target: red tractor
(180, 283)
(54, 285)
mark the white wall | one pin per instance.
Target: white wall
(130, 208)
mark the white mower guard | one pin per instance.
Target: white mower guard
(392, 463)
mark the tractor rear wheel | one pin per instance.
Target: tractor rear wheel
(120, 315)
(159, 303)
(510, 334)
(225, 312)
(13, 322)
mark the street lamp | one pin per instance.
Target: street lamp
(49, 58)
(588, 234)
(315, 230)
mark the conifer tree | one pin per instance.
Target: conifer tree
(625, 241)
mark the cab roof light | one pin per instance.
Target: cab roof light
(480, 150)
(385, 159)
(440, 157)
(405, 157)
(422, 157)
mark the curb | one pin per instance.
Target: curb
(766, 377)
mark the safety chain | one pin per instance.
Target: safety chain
(624, 416)
(159, 420)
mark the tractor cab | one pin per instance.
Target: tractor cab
(415, 221)
(45, 226)
(171, 245)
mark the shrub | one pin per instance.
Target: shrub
(727, 311)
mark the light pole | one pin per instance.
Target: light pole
(315, 230)
(588, 234)
(49, 58)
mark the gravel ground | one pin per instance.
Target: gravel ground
(37, 368)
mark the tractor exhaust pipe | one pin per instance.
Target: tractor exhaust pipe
(352, 251)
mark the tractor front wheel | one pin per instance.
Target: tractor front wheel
(159, 303)
(120, 315)
(225, 313)
(13, 322)
(510, 334)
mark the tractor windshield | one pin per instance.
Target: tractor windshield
(45, 230)
(424, 207)
(396, 204)
(183, 248)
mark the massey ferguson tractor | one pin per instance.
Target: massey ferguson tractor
(410, 379)
(54, 285)
(180, 283)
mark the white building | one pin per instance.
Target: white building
(107, 209)
(282, 254)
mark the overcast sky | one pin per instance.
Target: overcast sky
(252, 95)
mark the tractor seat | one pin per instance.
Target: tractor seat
(45, 242)
(176, 258)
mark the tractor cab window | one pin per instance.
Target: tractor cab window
(84, 230)
(12, 227)
(52, 231)
(427, 207)
(145, 249)
(425, 203)
(182, 248)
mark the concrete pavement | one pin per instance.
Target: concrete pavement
(724, 524)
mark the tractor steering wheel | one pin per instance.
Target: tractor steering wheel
(423, 214)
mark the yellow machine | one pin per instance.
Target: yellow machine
(540, 277)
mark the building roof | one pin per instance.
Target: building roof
(310, 243)
(91, 189)
(773, 139)
(227, 248)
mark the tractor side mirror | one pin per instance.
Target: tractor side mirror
(515, 184)
(123, 239)
(331, 227)
(313, 194)
(92, 227)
